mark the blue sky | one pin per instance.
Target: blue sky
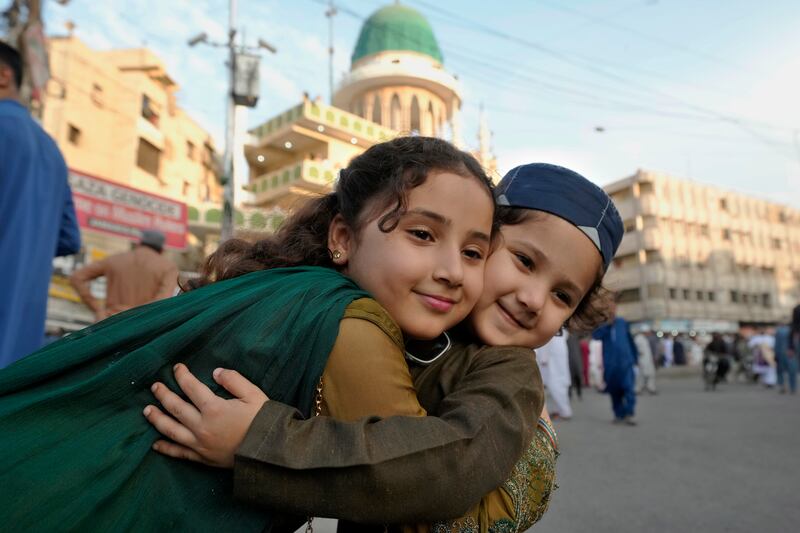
(707, 90)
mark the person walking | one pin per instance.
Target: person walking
(787, 344)
(575, 351)
(667, 347)
(39, 220)
(619, 359)
(647, 367)
(133, 278)
(556, 375)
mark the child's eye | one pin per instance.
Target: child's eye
(524, 260)
(564, 297)
(421, 234)
(474, 254)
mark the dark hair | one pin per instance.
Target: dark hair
(385, 172)
(11, 58)
(594, 307)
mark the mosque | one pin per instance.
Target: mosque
(397, 84)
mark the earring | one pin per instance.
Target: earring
(336, 254)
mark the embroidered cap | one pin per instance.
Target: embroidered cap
(568, 195)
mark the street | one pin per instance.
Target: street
(698, 461)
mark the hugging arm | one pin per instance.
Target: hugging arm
(399, 469)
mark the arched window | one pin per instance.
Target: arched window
(377, 117)
(415, 121)
(429, 123)
(395, 118)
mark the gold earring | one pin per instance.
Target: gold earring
(336, 254)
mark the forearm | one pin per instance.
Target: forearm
(83, 288)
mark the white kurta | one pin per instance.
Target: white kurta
(553, 358)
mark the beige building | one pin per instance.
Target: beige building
(699, 258)
(397, 84)
(114, 116)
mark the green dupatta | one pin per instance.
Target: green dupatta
(75, 449)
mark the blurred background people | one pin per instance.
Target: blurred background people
(762, 348)
(647, 367)
(619, 360)
(39, 219)
(717, 351)
(787, 343)
(556, 375)
(133, 278)
(575, 351)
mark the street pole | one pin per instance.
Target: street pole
(230, 130)
(330, 13)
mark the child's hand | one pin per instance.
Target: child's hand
(210, 429)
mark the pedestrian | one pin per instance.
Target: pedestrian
(575, 350)
(679, 351)
(647, 367)
(39, 220)
(717, 350)
(619, 360)
(556, 375)
(133, 278)
(667, 350)
(762, 347)
(585, 360)
(787, 342)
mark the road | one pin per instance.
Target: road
(727, 461)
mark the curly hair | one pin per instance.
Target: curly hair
(594, 308)
(378, 179)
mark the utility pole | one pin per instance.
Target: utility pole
(330, 13)
(242, 90)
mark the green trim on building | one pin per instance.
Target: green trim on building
(192, 214)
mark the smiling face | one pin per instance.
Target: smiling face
(538, 274)
(427, 272)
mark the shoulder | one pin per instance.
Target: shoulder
(370, 311)
(517, 362)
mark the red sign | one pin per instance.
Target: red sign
(115, 209)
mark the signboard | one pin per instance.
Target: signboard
(115, 209)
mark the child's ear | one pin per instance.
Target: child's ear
(341, 240)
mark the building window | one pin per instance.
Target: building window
(723, 204)
(376, 110)
(629, 295)
(745, 298)
(704, 230)
(190, 150)
(673, 293)
(735, 297)
(395, 113)
(415, 115)
(726, 235)
(653, 256)
(687, 294)
(776, 244)
(74, 135)
(149, 111)
(148, 157)
(630, 225)
(711, 296)
(766, 300)
(699, 295)
(186, 188)
(97, 95)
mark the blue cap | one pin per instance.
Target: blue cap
(568, 195)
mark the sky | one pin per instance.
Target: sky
(705, 90)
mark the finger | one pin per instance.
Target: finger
(177, 451)
(200, 395)
(185, 412)
(169, 427)
(239, 386)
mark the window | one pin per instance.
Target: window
(148, 157)
(653, 256)
(699, 295)
(687, 294)
(711, 296)
(190, 150)
(149, 110)
(97, 95)
(629, 295)
(74, 135)
(673, 293)
(630, 225)
(735, 297)
(723, 204)
(704, 230)
(745, 298)
(766, 300)
(415, 115)
(726, 235)
(776, 244)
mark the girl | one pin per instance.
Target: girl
(559, 232)
(74, 446)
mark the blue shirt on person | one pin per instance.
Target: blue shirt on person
(38, 223)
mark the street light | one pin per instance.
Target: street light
(197, 39)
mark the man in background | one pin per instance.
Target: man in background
(647, 367)
(619, 359)
(39, 220)
(133, 278)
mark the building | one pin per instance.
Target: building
(115, 117)
(699, 258)
(397, 84)
(136, 159)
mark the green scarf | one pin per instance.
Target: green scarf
(75, 449)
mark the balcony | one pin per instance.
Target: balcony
(311, 176)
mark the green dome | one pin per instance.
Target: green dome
(396, 27)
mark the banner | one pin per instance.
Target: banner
(116, 209)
